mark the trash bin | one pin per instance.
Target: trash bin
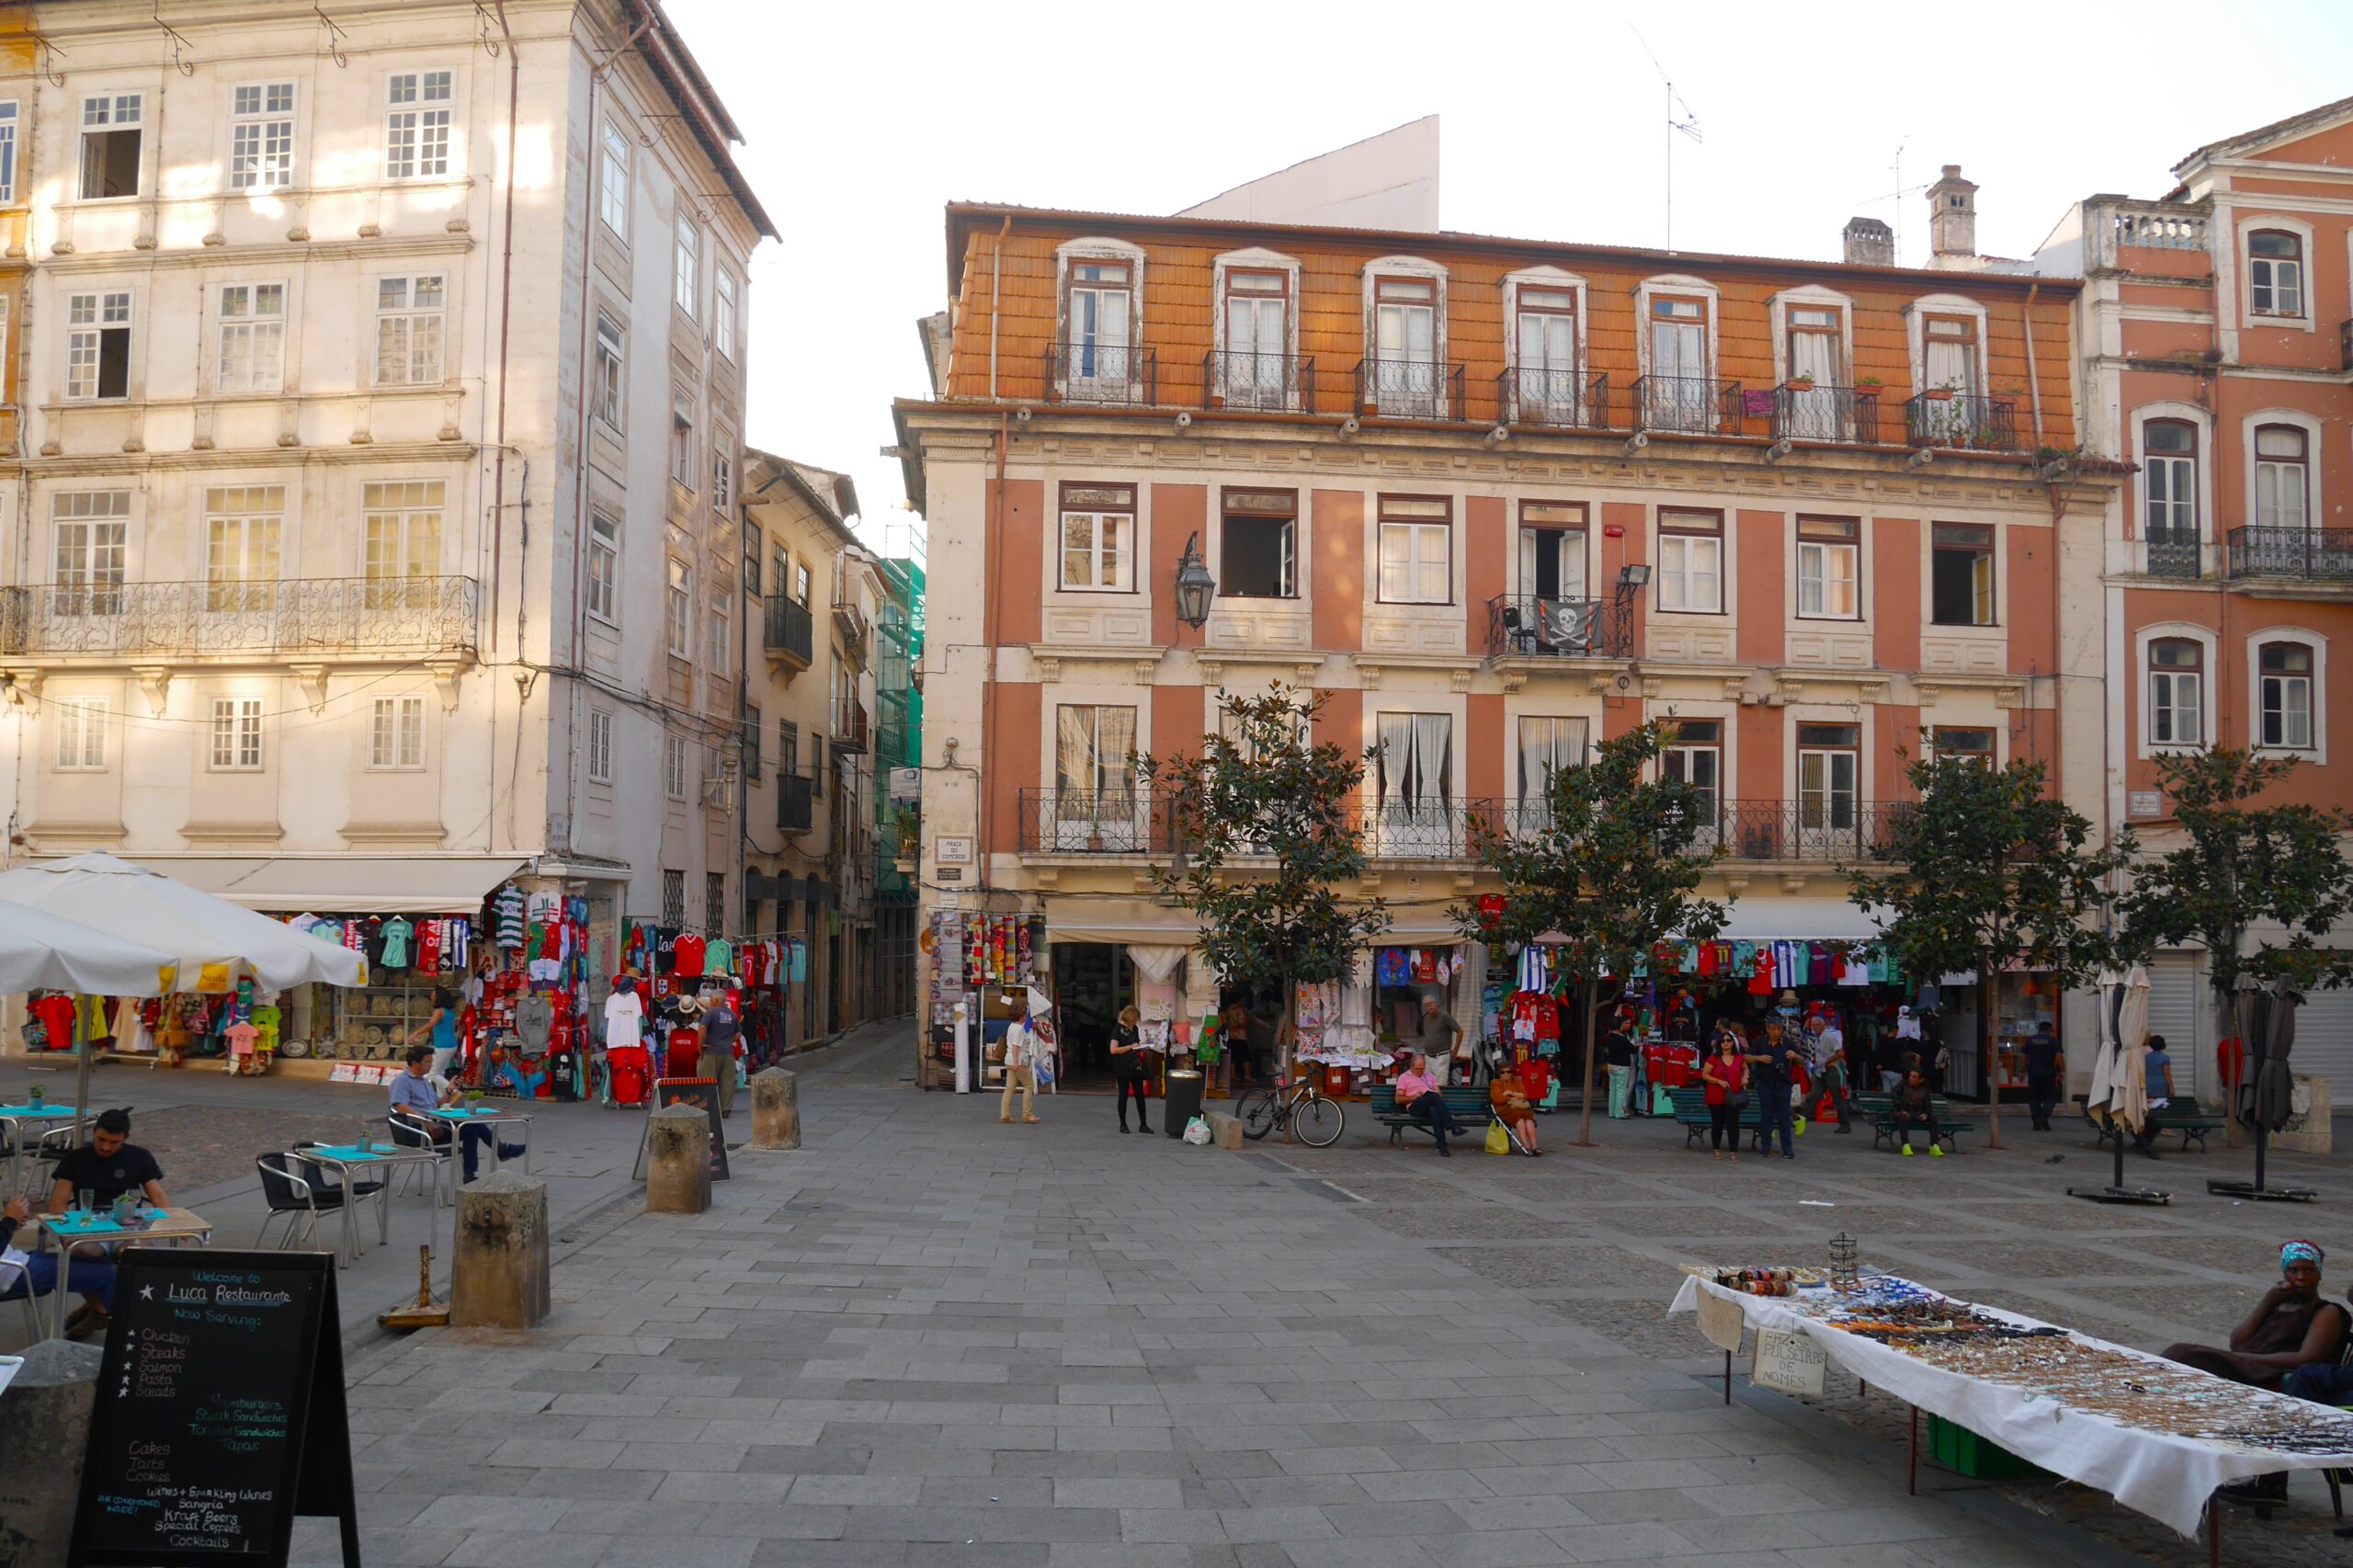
(1183, 1101)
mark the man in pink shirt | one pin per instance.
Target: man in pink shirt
(1418, 1096)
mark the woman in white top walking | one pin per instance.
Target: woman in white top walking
(1020, 1070)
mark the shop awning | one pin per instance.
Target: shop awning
(1120, 920)
(347, 884)
(1796, 920)
(1419, 925)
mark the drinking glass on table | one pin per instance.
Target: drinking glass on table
(88, 1200)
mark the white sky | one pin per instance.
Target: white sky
(862, 120)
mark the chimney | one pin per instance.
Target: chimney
(1953, 216)
(1870, 243)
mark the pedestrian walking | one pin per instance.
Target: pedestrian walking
(1128, 1066)
(1021, 1049)
(1723, 1079)
(1774, 1065)
(2045, 1070)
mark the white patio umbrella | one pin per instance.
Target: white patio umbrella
(47, 952)
(2106, 1063)
(194, 930)
(2130, 1104)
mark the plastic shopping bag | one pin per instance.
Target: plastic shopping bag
(1499, 1141)
(1197, 1131)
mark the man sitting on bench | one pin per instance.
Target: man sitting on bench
(1915, 1107)
(1422, 1098)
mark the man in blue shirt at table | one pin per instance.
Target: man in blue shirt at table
(416, 1095)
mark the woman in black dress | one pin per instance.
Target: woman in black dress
(1127, 1067)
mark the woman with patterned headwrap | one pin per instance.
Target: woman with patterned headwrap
(2292, 1326)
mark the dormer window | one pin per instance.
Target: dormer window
(1677, 393)
(1546, 334)
(1257, 339)
(1098, 345)
(1404, 347)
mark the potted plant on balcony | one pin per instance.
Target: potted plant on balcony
(1801, 381)
(1868, 386)
(1943, 394)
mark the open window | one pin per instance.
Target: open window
(1694, 754)
(1961, 574)
(1259, 549)
(98, 345)
(112, 126)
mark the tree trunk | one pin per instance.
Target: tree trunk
(1585, 1107)
(1986, 1055)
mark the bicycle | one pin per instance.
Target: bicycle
(1300, 1107)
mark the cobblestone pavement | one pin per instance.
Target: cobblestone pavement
(927, 1337)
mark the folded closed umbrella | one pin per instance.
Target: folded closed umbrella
(2097, 1102)
(2130, 1104)
(2275, 1086)
(39, 952)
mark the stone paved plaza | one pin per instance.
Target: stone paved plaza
(930, 1338)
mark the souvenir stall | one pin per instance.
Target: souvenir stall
(671, 976)
(977, 966)
(408, 958)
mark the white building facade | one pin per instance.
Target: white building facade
(372, 538)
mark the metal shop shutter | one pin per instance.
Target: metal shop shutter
(2325, 1040)
(2178, 1009)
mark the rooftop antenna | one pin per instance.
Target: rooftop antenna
(1896, 196)
(1688, 125)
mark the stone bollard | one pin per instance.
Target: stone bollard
(498, 1277)
(44, 1426)
(1225, 1131)
(677, 1171)
(776, 1109)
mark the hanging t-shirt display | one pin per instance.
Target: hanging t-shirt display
(689, 956)
(397, 934)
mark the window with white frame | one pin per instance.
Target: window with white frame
(722, 470)
(678, 617)
(252, 356)
(1096, 332)
(1691, 562)
(1960, 574)
(409, 318)
(604, 568)
(723, 634)
(723, 314)
(1829, 568)
(8, 151)
(416, 123)
(608, 375)
(1547, 746)
(674, 766)
(2274, 273)
(2282, 477)
(686, 270)
(2284, 690)
(396, 734)
(1548, 355)
(241, 524)
(682, 438)
(91, 529)
(2169, 482)
(236, 735)
(1407, 380)
(1098, 537)
(1968, 743)
(1259, 546)
(1695, 756)
(399, 529)
(1259, 372)
(2176, 676)
(600, 746)
(261, 136)
(1677, 391)
(1416, 550)
(112, 124)
(612, 198)
(1948, 347)
(81, 733)
(98, 345)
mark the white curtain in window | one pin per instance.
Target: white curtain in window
(1952, 362)
(1433, 734)
(1396, 769)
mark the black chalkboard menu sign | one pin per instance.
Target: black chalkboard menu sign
(220, 1414)
(701, 1093)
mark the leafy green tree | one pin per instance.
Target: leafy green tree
(1268, 823)
(2242, 866)
(1988, 872)
(1612, 859)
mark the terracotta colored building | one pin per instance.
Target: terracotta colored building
(1495, 499)
(2216, 334)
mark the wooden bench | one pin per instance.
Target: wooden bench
(1692, 1115)
(1472, 1111)
(2182, 1114)
(1878, 1110)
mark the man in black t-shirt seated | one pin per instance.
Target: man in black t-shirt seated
(108, 1165)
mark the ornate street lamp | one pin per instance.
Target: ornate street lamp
(1195, 586)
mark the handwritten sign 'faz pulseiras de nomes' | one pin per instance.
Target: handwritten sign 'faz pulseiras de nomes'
(219, 1412)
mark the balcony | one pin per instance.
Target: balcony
(2175, 554)
(1410, 389)
(2306, 555)
(1828, 830)
(1277, 383)
(1554, 399)
(1816, 411)
(1954, 420)
(1100, 373)
(849, 725)
(1687, 406)
(1531, 626)
(796, 802)
(314, 616)
(790, 633)
(1110, 822)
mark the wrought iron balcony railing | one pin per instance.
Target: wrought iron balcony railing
(1817, 412)
(1100, 373)
(1281, 383)
(796, 802)
(1832, 829)
(1133, 820)
(1410, 389)
(308, 615)
(1538, 626)
(1971, 424)
(2174, 554)
(790, 630)
(2312, 555)
(1687, 406)
(1556, 398)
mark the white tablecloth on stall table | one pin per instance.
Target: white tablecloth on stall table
(2161, 1474)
